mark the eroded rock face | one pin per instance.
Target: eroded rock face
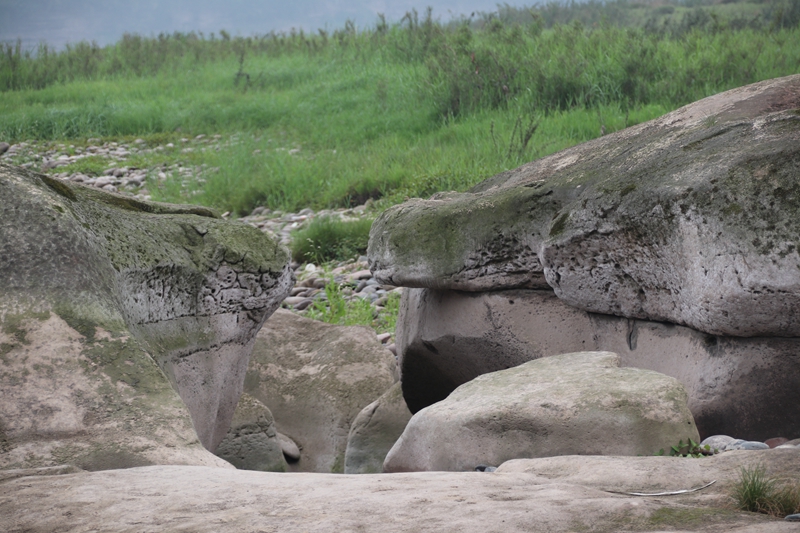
(374, 431)
(749, 387)
(571, 404)
(316, 378)
(689, 219)
(104, 302)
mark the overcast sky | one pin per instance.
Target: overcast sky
(60, 21)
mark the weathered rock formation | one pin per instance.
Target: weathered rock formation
(685, 227)
(688, 219)
(252, 441)
(740, 386)
(316, 378)
(104, 302)
(374, 431)
(572, 404)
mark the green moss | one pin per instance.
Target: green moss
(77, 321)
(59, 187)
(338, 464)
(12, 325)
(627, 190)
(732, 209)
(558, 226)
(125, 361)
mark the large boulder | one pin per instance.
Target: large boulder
(252, 442)
(572, 404)
(374, 431)
(316, 378)
(446, 338)
(749, 387)
(106, 305)
(688, 219)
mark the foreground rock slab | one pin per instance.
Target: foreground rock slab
(572, 496)
(315, 378)
(572, 404)
(688, 219)
(107, 304)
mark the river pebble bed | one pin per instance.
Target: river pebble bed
(308, 296)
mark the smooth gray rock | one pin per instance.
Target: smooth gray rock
(688, 219)
(374, 431)
(717, 443)
(571, 404)
(739, 444)
(289, 447)
(316, 378)
(252, 442)
(107, 301)
(748, 387)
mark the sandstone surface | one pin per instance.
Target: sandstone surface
(688, 219)
(374, 431)
(558, 494)
(749, 387)
(572, 404)
(315, 378)
(108, 303)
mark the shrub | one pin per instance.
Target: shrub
(331, 239)
(758, 493)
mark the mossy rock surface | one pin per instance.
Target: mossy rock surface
(108, 306)
(690, 218)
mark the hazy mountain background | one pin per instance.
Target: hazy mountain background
(104, 21)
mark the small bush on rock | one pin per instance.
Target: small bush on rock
(689, 449)
(758, 493)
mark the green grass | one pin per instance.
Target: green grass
(328, 238)
(402, 110)
(758, 493)
(335, 309)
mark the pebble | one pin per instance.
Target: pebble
(739, 444)
(725, 443)
(775, 442)
(793, 518)
(716, 443)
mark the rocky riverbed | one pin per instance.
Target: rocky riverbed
(121, 175)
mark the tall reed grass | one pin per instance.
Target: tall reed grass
(400, 109)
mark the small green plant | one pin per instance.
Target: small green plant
(331, 239)
(758, 493)
(92, 165)
(336, 309)
(689, 449)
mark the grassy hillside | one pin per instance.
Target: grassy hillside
(402, 109)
